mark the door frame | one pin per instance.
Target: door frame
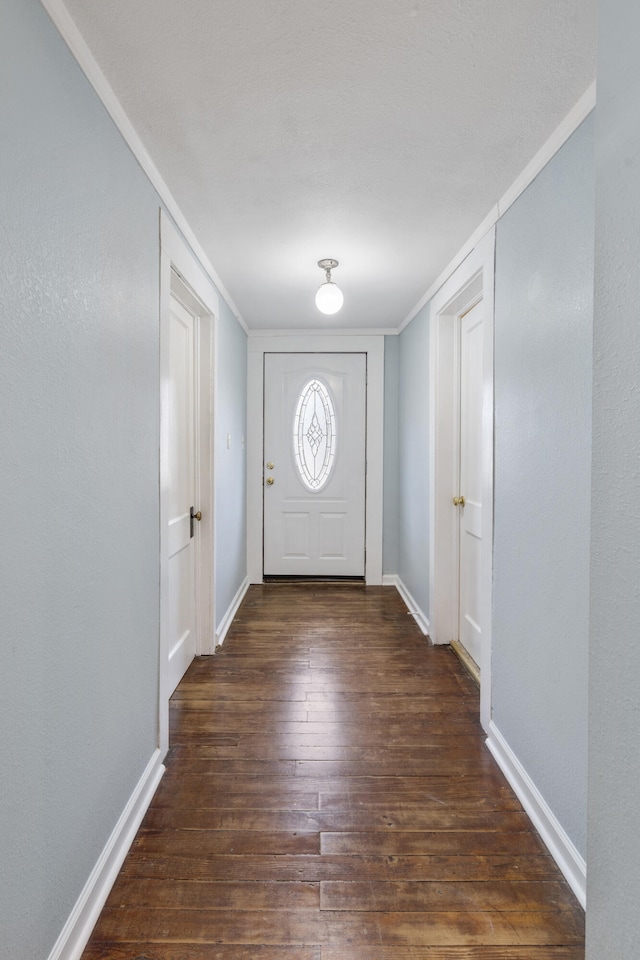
(373, 347)
(471, 282)
(182, 275)
(460, 648)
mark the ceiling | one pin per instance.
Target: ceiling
(376, 132)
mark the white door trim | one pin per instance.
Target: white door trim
(373, 346)
(472, 281)
(193, 287)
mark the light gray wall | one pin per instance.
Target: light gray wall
(79, 393)
(230, 463)
(613, 929)
(413, 436)
(391, 450)
(79, 480)
(543, 330)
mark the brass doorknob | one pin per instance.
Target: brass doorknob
(193, 516)
(458, 501)
(270, 481)
(270, 465)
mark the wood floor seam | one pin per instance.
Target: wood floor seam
(329, 796)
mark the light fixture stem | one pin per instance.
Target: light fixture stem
(329, 297)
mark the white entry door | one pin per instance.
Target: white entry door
(314, 464)
(470, 511)
(181, 473)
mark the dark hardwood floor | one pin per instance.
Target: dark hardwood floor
(329, 796)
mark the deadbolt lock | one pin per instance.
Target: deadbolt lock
(270, 465)
(270, 481)
(458, 501)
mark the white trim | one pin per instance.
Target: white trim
(489, 221)
(175, 256)
(82, 919)
(554, 836)
(79, 49)
(188, 265)
(205, 481)
(389, 579)
(323, 332)
(471, 282)
(227, 620)
(548, 150)
(316, 343)
(558, 138)
(255, 431)
(412, 607)
(73, 38)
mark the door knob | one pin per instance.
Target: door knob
(194, 516)
(270, 481)
(270, 465)
(458, 501)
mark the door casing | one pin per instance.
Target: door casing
(182, 477)
(471, 282)
(464, 487)
(180, 273)
(373, 346)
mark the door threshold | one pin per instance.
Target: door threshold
(274, 578)
(466, 660)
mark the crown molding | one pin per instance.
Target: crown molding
(69, 32)
(558, 138)
(74, 40)
(325, 332)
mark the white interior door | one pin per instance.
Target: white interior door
(181, 473)
(314, 464)
(470, 527)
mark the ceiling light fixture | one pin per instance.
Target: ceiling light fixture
(329, 297)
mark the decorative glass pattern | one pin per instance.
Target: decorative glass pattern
(314, 435)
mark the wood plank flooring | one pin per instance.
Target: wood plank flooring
(329, 796)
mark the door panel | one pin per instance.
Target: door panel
(470, 552)
(296, 535)
(181, 493)
(332, 535)
(314, 438)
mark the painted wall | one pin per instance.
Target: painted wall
(413, 440)
(230, 463)
(391, 449)
(543, 331)
(79, 393)
(614, 693)
(78, 479)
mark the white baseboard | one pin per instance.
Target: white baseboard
(560, 847)
(77, 930)
(389, 580)
(414, 610)
(227, 620)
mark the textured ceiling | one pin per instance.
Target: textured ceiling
(377, 132)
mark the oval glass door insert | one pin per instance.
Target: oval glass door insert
(314, 435)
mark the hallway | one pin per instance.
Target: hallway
(329, 795)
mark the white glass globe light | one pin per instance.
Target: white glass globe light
(329, 298)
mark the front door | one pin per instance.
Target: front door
(314, 464)
(181, 476)
(470, 487)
